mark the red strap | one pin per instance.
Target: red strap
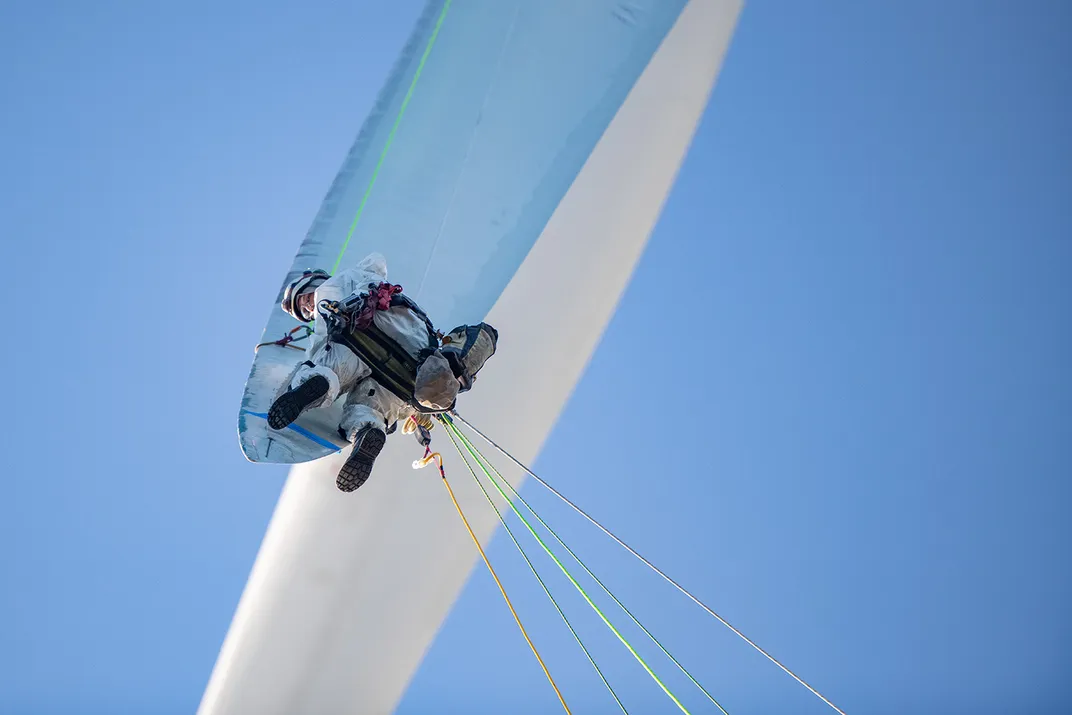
(379, 299)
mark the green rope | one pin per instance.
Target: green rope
(596, 578)
(391, 135)
(535, 573)
(451, 428)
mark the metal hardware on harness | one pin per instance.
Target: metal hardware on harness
(390, 364)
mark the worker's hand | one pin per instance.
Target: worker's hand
(416, 419)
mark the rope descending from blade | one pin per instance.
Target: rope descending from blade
(532, 567)
(449, 425)
(591, 574)
(438, 459)
(647, 563)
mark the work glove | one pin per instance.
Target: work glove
(422, 425)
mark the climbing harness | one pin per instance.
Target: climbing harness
(350, 322)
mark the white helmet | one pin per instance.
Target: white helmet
(308, 281)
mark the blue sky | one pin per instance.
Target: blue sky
(860, 456)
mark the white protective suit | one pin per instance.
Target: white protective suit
(367, 402)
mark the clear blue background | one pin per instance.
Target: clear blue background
(859, 455)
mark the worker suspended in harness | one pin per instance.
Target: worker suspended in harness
(374, 346)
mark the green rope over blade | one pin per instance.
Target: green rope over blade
(535, 573)
(595, 578)
(449, 425)
(391, 135)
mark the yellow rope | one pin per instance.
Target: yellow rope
(502, 590)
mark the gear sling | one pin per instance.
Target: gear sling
(350, 323)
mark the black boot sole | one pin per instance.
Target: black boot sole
(290, 404)
(358, 465)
